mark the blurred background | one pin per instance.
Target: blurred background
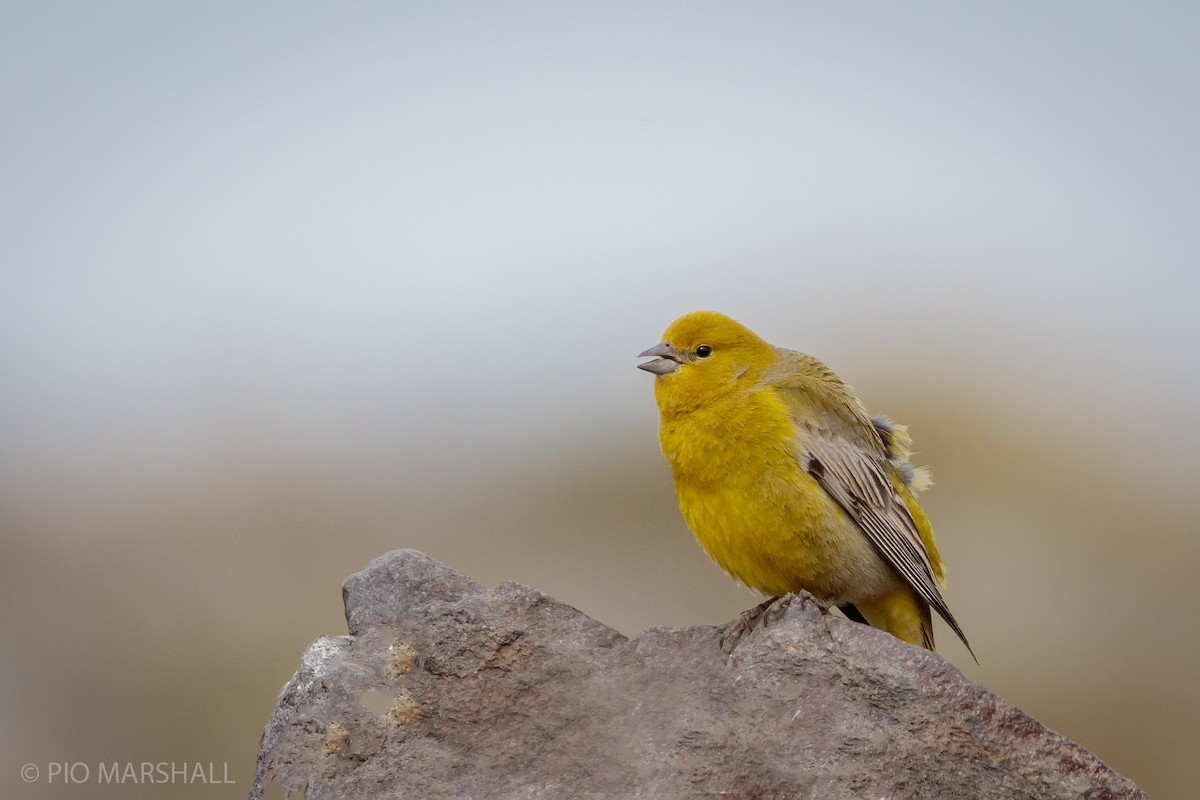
(286, 286)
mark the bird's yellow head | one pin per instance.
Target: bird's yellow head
(704, 355)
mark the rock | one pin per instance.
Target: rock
(445, 688)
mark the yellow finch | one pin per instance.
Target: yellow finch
(788, 483)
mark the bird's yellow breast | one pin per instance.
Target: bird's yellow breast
(753, 508)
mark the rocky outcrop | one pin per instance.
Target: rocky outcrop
(445, 688)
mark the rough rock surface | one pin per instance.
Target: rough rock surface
(445, 688)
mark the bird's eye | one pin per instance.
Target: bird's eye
(703, 351)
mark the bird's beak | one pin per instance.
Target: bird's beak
(666, 359)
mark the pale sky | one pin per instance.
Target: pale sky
(464, 220)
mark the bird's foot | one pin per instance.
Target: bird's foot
(765, 612)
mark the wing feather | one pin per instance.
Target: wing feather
(844, 450)
(857, 481)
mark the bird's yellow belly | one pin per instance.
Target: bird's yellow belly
(759, 515)
(781, 538)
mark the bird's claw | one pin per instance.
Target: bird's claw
(761, 615)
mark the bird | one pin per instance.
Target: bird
(789, 484)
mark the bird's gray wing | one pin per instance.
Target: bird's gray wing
(857, 480)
